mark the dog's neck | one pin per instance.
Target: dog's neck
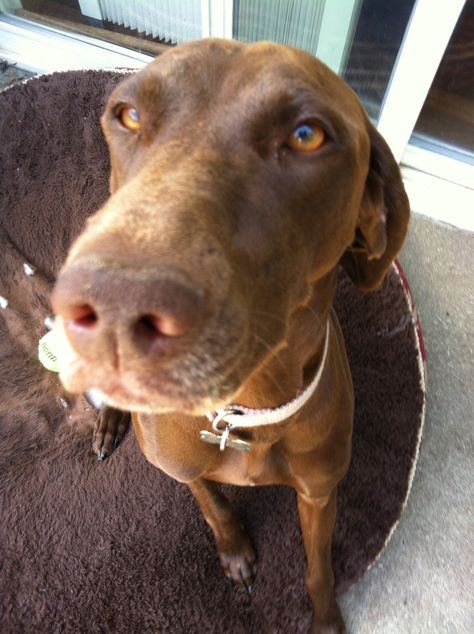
(292, 366)
(235, 417)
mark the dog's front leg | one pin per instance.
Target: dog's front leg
(317, 518)
(236, 553)
(111, 426)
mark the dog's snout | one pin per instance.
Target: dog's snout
(109, 309)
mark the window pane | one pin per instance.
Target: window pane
(359, 39)
(446, 122)
(374, 50)
(142, 25)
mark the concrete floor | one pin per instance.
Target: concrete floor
(423, 582)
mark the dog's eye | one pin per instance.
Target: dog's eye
(307, 137)
(130, 118)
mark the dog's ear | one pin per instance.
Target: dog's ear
(383, 218)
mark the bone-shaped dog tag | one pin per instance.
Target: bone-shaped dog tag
(224, 441)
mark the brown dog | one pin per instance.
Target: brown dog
(241, 177)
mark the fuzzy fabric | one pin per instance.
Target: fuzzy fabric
(119, 546)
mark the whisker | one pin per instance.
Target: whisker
(268, 347)
(316, 316)
(257, 311)
(266, 371)
(283, 321)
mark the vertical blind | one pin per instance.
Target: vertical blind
(322, 27)
(173, 21)
(296, 22)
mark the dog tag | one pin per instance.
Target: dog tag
(224, 441)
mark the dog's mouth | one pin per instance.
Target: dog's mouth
(194, 384)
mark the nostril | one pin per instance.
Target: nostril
(154, 326)
(83, 316)
(147, 327)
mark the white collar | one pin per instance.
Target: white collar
(231, 417)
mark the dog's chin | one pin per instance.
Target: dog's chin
(129, 392)
(160, 402)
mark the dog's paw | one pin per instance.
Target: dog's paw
(112, 425)
(238, 560)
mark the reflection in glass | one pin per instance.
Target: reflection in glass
(446, 122)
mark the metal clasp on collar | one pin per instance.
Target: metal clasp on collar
(221, 437)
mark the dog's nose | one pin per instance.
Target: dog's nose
(111, 309)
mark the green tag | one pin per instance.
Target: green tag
(48, 351)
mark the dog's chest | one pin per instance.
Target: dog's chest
(263, 464)
(178, 450)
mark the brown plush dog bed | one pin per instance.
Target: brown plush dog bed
(118, 546)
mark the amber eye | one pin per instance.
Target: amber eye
(307, 137)
(130, 118)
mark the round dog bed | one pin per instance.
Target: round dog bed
(118, 546)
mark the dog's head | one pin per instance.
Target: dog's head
(241, 175)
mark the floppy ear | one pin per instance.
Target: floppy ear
(383, 218)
